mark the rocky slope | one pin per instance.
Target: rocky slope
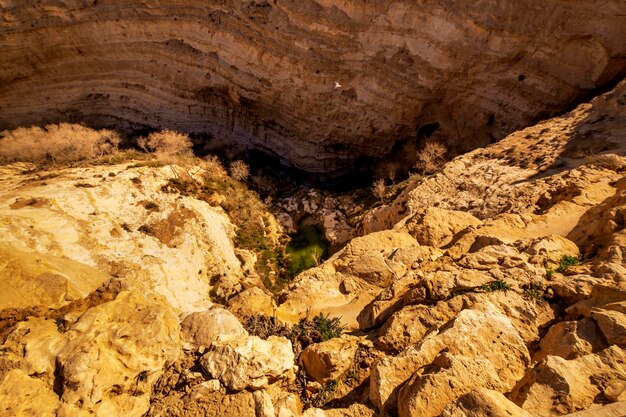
(496, 286)
(321, 84)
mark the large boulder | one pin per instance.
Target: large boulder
(114, 354)
(481, 340)
(557, 386)
(249, 362)
(205, 327)
(329, 360)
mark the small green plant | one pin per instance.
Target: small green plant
(324, 395)
(567, 261)
(496, 285)
(534, 291)
(320, 329)
(549, 273)
(329, 328)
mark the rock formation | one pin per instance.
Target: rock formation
(131, 285)
(321, 84)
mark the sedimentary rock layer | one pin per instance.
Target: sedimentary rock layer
(320, 84)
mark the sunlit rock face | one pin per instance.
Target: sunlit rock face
(323, 85)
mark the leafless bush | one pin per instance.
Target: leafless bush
(239, 170)
(431, 157)
(167, 143)
(379, 189)
(213, 166)
(60, 143)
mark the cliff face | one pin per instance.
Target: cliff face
(319, 84)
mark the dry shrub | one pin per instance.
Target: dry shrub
(431, 157)
(60, 143)
(379, 190)
(167, 143)
(239, 170)
(213, 166)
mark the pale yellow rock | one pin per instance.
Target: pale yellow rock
(36, 279)
(559, 386)
(612, 324)
(409, 325)
(249, 362)
(570, 339)
(482, 336)
(25, 396)
(118, 348)
(436, 227)
(329, 360)
(428, 394)
(608, 410)
(99, 226)
(35, 344)
(204, 328)
(615, 391)
(252, 301)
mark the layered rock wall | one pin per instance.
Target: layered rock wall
(266, 73)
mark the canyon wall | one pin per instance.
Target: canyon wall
(320, 84)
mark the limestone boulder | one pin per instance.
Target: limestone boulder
(367, 257)
(480, 339)
(115, 352)
(27, 396)
(409, 325)
(249, 362)
(608, 410)
(252, 301)
(437, 227)
(570, 339)
(612, 323)
(204, 328)
(446, 378)
(96, 216)
(559, 386)
(329, 360)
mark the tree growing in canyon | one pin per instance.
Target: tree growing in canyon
(379, 189)
(167, 143)
(431, 157)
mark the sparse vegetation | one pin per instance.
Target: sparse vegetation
(320, 329)
(549, 273)
(379, 189)
(265, 326)
(167, 143)
(324, 395)
(567, 261)
(246, 210)
(431, 157)
(239, 170)
(496, 285)
(56, 144)
(305, 250)
(534, 291)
